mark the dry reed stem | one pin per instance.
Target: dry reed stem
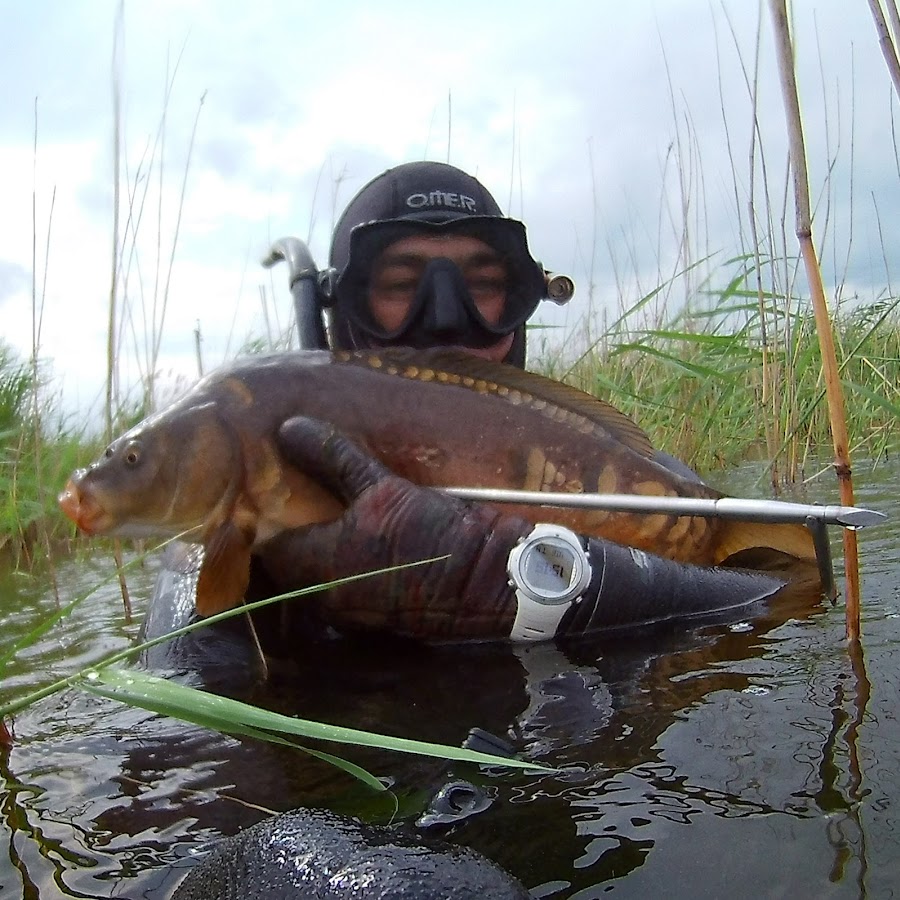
(120, 574)
(860, 704)
(884, 38)
(113, 285)
(114, 277)
(37, 318)
(894, 17)
(833, 389)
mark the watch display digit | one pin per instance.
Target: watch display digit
(548, 568)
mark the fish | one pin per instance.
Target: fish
(207, 467)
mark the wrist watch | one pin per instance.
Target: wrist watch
(550, 570)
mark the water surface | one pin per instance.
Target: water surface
(746, 758)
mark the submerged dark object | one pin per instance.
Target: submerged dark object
(315, 855)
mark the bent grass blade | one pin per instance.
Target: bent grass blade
(199, 708)
(224, 714)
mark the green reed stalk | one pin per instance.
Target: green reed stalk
(153, 340)
(159, 323)
(111, 355)
(770, 373)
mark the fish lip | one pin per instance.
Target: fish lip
(87, 514)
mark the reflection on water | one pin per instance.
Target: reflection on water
(730, 758)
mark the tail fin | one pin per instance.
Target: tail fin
(788, 538)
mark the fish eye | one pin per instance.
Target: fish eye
(132, 454)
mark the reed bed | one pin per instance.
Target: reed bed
(31, 430)
(696, 380)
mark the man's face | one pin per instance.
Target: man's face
(399, 267)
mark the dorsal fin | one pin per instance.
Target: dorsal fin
(506, 382)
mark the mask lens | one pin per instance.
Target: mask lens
(389, 302)
(488, 287)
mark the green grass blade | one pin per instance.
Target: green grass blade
(39, 630)
(878, 399)
(228, 727)
(700, 338)
(344, 765)
(58, 615)
(193, 712)
(679, 363)
(224, 714)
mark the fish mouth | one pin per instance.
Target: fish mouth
(84, 510)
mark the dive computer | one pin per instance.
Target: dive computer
(550, 570)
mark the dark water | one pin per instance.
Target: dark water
(743, 759)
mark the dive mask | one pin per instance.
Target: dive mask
(445, 305)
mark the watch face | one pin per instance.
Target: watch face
(548, 568)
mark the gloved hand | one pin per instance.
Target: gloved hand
(390, 521)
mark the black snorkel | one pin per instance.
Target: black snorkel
(306, 286)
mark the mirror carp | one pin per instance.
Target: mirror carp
(207, 467)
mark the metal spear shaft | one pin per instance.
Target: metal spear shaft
(723, 508)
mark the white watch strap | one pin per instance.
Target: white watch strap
(536, 621)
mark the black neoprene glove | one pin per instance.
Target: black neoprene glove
(388, 522)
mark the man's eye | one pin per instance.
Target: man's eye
(487, 285)
(398, 288)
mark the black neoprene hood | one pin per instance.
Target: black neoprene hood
(422, 197)
(415, 192)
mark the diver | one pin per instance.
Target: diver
(423, 257)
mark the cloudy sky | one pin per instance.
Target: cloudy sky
(597, 122)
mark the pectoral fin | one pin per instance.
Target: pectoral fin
(225, 572)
